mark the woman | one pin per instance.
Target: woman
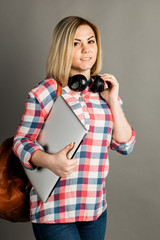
(77, 207)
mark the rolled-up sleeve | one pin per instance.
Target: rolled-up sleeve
(25, 140)
(124, 147)
(37, 107)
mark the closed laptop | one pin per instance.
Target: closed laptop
(61, 128)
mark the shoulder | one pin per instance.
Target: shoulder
(44, 94)
(44, 88)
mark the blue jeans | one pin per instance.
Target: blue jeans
(93, 230)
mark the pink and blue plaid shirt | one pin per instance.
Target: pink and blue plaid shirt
(82, 195)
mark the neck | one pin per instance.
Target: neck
(86, 74)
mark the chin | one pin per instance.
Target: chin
(87, 67)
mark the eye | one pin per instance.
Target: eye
(76, 43)
(91, 41)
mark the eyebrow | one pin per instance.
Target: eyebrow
(87, 39)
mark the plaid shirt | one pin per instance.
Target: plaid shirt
(82, 195)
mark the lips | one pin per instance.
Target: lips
(86, 59)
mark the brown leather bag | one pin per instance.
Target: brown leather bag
(14, 184)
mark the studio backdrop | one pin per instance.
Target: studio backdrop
(130, 41)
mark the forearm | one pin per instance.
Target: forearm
(59, 163)
(121, 128)
(40, 159)
(122, 131)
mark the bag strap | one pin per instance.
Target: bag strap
(59, 89)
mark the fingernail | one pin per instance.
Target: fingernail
(71, 144)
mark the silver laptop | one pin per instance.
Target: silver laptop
(61, 128)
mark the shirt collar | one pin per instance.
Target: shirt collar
(75, 94)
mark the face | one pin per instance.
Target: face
(85, 51)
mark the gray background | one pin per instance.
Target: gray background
(130, 38)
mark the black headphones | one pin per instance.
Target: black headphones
(79, 82)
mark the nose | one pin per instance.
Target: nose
(85, 48)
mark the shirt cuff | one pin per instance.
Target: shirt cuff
(124, 147)
(24, 150)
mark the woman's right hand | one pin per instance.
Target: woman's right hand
(59, 163)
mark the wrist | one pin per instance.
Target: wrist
(49, 161)
(41, 159)
(113, 102)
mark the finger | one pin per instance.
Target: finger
(68, 148)
(66, 174)
(107, 75)
(73, 162)
(109, 78)
(71, 166)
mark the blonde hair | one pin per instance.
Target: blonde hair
(61, 49)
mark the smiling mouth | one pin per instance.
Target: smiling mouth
(86, 59)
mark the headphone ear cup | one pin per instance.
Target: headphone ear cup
(77, 83)
(98, 84)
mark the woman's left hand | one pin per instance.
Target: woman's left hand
(110, 94)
